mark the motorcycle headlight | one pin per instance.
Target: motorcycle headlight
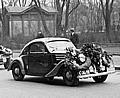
(81, 57)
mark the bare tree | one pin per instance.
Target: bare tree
(64, 6)
(38, 5)
(2, 16)
(107, 10)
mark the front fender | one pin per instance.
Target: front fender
(19, 60)
(55, 70)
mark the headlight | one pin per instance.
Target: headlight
(81, 57)
(4, 60)
(73, 53)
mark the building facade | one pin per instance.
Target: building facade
(26, 21)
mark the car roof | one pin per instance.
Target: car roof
(45, 40)
(48, 39)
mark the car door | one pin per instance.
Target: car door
(40, 61)
(24, 56)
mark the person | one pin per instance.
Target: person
(1, 49)
(40, 35)
(74, 37)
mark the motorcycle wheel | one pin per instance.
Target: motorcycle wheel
(69, 77)
(100, 79)
(16, 72)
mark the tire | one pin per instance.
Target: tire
(6, 64)
(100, 79)
(69, 77)
(16, 72)
(50, 78)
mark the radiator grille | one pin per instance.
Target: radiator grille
(59, 56)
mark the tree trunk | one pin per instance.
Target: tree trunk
(38, 5)
(43, 21)
(107, 25)
(108, 22)
(3, 22)
(59, 16)
(66, 16)
(107, 10)
(58, 24)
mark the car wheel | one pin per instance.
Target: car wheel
(69, 77)
(100, 79)
(16, 72)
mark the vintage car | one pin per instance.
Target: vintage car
(50, 57)
(5, 56)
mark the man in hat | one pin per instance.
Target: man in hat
(40, 35)
(74, 37)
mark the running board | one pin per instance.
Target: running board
(94, 75)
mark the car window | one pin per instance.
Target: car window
(25, 51)
(37, 47)
(59, 45)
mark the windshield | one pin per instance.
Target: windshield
(54, 46)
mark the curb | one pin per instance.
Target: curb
(116, 54)
(117, 68)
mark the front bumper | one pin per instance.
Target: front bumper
(110, 71)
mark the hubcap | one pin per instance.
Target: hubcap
(17, 71)
(69, 75)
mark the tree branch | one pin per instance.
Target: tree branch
(103, 9)
(63, 5)
(19, 3)
(111, 6)
(78, 3)
(25, 2)
(58, 4)
(31, 2)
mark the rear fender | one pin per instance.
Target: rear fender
(21, 64)
(56, 69)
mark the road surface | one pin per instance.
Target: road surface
(35, 87)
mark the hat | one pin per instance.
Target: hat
(39, 32)
(72, 29)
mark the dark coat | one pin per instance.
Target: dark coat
(74, 38)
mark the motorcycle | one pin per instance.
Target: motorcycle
(89, 61)
(6, 55)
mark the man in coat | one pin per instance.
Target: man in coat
(74, 37)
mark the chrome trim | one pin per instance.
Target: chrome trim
(96, 74)
(38, 52)
(60, 56)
